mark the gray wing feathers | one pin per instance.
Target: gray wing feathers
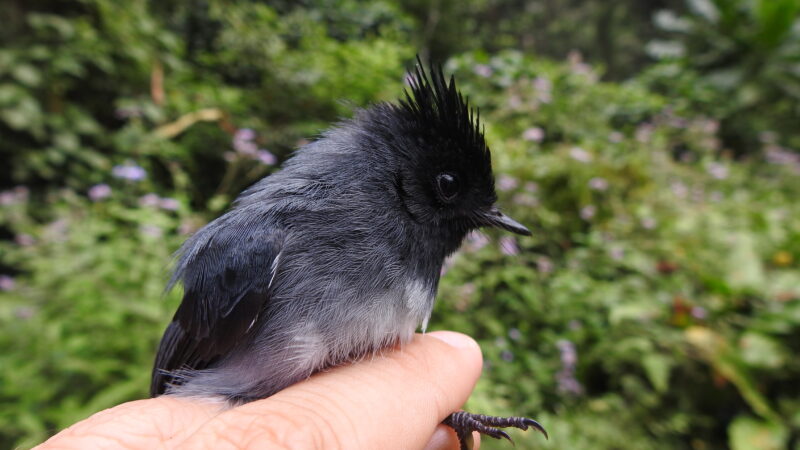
(226, 270)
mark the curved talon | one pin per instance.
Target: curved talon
(465, 423)
(536, 425)
(505, 435)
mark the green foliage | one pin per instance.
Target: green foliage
(82, 325)
(84, 90)
(737, 60)
(655, 306)
(664, 276)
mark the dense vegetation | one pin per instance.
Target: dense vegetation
(657, 304)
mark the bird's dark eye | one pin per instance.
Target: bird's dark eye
(447, 185)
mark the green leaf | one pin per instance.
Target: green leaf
(27, 75)
(657, 368)
(747, 433)
(705, 9)
(759, 350)
(716, 350)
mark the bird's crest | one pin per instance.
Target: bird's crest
(438, 105)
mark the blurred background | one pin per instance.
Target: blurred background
(653, 147)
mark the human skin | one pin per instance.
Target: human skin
(395, 400)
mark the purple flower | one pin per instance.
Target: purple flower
(616, 253)
(525, 200)
(244, 134)
(542, 84)
(169, 204)
(243, 142)
(57, 230)
(649, 223)
(24, 312)
(186, 228)
(616, 137)
(506, 183)
(99, 192)
(14, 196)
(7, 283)
(483, 70)
(508, 245)
(717, 170)
(711, 126)
(507, 355)
(678, 122)
(130, 172)
(644, 132)
(7, 198)
(476, 241)
(566, 376)
(598, 184)
(151, 231)
(679, 189)
(580, 155)
(266, 157)
(534, 134)
(514, 101)
(784, 157)
(514, 334)
(24, 240)
(698, 312)
(149, 200)
(588, 212)
(569, 356)
(543, 87)
(544, 265)
(574, 325)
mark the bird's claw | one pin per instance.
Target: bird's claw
(465, 423)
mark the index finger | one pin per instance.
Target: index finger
(393, 401)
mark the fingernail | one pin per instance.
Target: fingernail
(454, 339)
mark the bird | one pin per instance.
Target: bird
(337, 255)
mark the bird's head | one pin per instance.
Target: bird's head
(444, 170)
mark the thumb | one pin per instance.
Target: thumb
(392, 401)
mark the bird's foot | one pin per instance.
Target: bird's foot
(465, 423)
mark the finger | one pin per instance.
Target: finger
(444, 438)
(392, 401)
(147, 423)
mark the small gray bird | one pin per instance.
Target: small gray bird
(335, 256)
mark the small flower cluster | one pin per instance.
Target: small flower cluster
(154, 201)
(483, 70)
(565, 378)
(7, 283)
(580, 155)
(99, 192)
(533, 134)
(14, 196)
(783, 157)
(245, 146)
(129, 172)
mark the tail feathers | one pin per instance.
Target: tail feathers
(164, 367)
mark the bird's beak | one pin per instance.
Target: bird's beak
(494, 218)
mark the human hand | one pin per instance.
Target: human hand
(396, 400)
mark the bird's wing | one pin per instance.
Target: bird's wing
(226, 274)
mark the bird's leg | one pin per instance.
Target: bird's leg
(465, 423)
